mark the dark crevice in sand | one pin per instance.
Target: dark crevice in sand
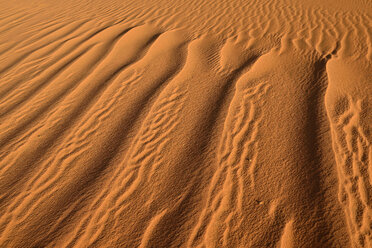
(321, 170)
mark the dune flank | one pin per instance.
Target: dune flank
(193, 123)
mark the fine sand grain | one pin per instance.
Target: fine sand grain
(186, 123)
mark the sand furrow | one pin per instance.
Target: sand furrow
(22, 55)
(14, 23)
(70, 100)
(44, 182)
(236, 153)
(144, 157)
(103, 50)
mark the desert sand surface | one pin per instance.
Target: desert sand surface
(186, 123)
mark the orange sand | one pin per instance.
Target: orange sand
(186, 123)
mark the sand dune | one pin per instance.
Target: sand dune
(185, 123)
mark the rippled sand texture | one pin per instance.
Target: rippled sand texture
(193, 123)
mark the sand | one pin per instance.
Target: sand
(159, 123)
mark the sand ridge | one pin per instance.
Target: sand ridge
(185, 123)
